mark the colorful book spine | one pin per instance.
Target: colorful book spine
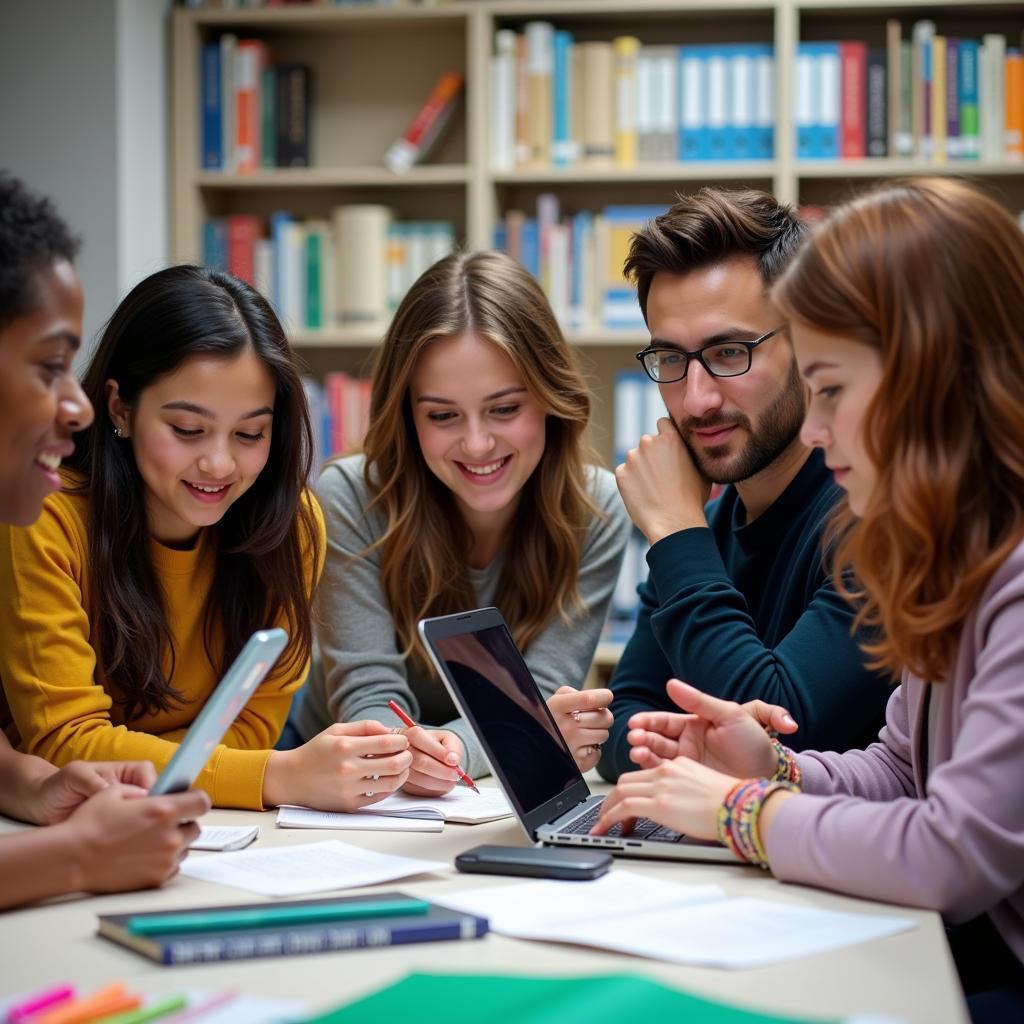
(877, 105)
(693, 101)
(626, 49)
(953, 139)
(291, 106)
(1013, 139)
(540, 72)
(426, 127)
(210, 94)
(970, 122)
(853, 58)
(563, 148)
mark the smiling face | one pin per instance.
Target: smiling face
(844, 377)
(480, 431)
(200, 436)
(734, 427)
(41, 403)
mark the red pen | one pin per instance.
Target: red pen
(407, 721)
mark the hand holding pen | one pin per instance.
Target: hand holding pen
(436, 755)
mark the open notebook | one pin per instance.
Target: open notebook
(400, 812)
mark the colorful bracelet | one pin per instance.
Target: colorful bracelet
(738, 818)
(786, 769)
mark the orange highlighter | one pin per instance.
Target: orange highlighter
(407, 721)
(104, 1002)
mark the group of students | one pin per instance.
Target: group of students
(860, 388)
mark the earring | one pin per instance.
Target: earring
(118, 432)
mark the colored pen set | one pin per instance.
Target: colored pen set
(410, 724)
(112, 1004)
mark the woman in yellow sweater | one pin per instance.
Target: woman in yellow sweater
(182, 527)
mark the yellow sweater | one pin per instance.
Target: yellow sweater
(48, 665)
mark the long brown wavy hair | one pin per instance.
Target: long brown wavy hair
(426, 541)
(930, 272)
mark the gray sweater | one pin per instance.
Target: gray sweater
(360, 666)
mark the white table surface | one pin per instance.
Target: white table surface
(909, 976)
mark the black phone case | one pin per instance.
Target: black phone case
(534, 862)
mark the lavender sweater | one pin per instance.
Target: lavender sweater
(869, 824)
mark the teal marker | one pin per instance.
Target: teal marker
(148, 1013)
(259, 917)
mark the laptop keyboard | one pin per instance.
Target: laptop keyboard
(643, 828)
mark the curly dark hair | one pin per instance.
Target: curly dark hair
(32, 237)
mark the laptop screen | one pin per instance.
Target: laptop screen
(508, 713)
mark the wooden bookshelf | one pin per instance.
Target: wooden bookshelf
(373, 66)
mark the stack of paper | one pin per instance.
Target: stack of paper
(684, 924)
(401, 813)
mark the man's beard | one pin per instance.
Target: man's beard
(779, 426)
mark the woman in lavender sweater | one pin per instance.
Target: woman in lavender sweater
(905, 310)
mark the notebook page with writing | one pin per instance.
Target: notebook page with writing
(402, 813)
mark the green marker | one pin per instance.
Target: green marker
(152, 1012)
(258, 917)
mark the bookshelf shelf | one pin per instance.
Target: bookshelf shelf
(341, 177)
(302, 19)
(667, 172)
(882, 168)
(372, 67)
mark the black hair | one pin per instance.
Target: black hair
(32, 237)
(265, 538)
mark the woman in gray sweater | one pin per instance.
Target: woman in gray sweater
(905, 311)
(474, 489)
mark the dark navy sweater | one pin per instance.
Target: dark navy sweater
(747, 610)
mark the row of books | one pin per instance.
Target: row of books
(932, 97)
(556, 101)
(253, 114)
(244, 4)
(339, 410)
(351, 269)
(578, 260)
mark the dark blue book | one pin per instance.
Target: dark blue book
(210, 101)
(439, 924)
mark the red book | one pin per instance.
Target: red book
(250, 60)
(243, 232)
(853, 126)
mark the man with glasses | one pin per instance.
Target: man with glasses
(739, 601)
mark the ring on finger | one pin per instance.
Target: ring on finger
(576, 715)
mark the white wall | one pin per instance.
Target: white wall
(83, 119)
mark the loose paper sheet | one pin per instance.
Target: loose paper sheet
(666, 921)
(307, 868)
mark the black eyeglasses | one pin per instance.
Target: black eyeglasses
(665, 365)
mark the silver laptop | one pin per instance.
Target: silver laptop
(491, 685)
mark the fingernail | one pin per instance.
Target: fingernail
(788, 719)
(451, 757)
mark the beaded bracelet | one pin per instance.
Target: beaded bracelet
(738, 818)
(786, 769)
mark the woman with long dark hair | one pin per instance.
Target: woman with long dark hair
(905, 314)
(475, 488)
(183, 526)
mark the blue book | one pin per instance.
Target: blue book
(499, 237)
(279, 220)
(215, 243)
(562, 151)
(970, 126)
(210, 100)
(719, 101)
(530, 242)
(437, 925)
(693, 104)
(582, 226)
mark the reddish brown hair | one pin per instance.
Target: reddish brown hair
(930, 272)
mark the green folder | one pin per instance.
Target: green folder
(518, 999)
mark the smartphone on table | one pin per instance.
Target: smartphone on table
(535, 861)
